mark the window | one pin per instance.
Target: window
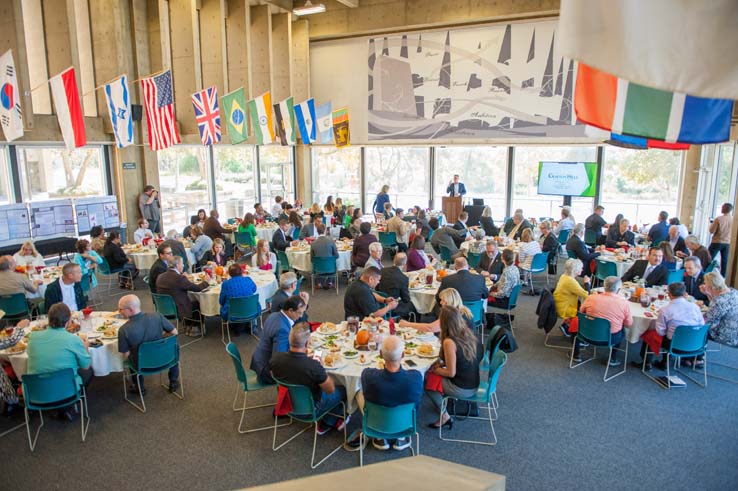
(724, 187)
(5, 188)
(640, 183)
(337, 173)
(183, 176)
(525, 181)
(406, 170)
(235, 181)
(55, 172)
(483, 170)
(276, 173)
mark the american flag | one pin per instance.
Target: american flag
(207, 115)
(160, 118)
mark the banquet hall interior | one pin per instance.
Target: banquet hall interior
(198, 161)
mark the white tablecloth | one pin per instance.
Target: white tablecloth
(146, 258)
(423, 298)
(48, 275)
(266, 287)
(300, 260)
(104, 359)
(265, 233)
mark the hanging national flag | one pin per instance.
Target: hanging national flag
(623, 107)
(160, 118)
(68, 109)
(632, 142)
(341, 127)
(207, 114)
(119, 109)
(284, 113)
(324, 122)
(234, 108)
(306, 121)
(260, 112)
(11, 116)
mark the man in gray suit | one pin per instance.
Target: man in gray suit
(444, 236)
(309, 229)
(323, 246)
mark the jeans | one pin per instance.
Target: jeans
(450, 390)
(329, 402)
(723, 250)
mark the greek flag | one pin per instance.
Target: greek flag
(119, 108)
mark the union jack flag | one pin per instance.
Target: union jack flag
(207, 115)
(160, 118)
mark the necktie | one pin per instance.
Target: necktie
(648, 272)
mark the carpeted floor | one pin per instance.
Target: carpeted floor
(557, 429)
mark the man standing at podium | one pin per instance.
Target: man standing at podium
(456, 188)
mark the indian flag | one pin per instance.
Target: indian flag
(614, 104)
(260, 111)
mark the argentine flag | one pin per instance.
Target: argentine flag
(305, 117)
(119, 108)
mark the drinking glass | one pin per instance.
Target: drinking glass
(372, 345)
(353, 324)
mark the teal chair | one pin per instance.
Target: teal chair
(247, 382)
(154, 357)
(596, 332)
(473, 259)
(284, 262)
(485, 397)
(446, 255)
(240, 311)
(324, 267)
(687, 342)
(590, 238)
(244, 241)
(538, 265)
(477, 310)
(605, 269)
(675, 276)
(15, 307)
(164, 304)
(303, 410)
(388, 240)
(562, 238)
(109, 274)
(388, 423)
(490, 350)
(511, 304)
(296, 233)
(53, 390)
(713, 265)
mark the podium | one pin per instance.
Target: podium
(451, 206)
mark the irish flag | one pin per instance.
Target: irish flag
(68, 109)
(260, 111)
(614, 104)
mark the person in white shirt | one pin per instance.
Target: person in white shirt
(28, 256)
(142, 231)
(528, 250)
(375, 256)
(567, 221)
(277, 206)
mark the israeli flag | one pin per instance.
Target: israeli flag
(305, 118)
(119, 108)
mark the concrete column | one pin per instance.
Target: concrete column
(38, 69)
(56, 28)
(690, 185)
(303, 186)
(300, 60)
(281, 57)
(238, 39)
(211, 43)
(185, 73)
(260, 56)
(80, 39)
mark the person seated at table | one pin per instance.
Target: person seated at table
(519, 224)
(595, 222)
(260, 213)
(461, 221)
(390, 386)
(178, 249)
(87, 259)
(202, 216)
(488, 224)
(446, 236)
(394, 283)
(239, 285)
(67, 289)
(201, 243)
(310, 229)
(675, 240)
(29, 256)
(422, 226)
(339, 211)
(323, 246)
(286, 210)
(119, 261)
(328, 207)
(567, 294)
(458, 365)
(723, 313)
(401, 228)
(416, 257)
(477, 244)
(54, 348)
(651, 270)
(549, 244)
(567, 221)
(490, 264)
(295, 225)
(355, 228)
(448, 297)
(287, 288)
(295, 367)
(263, 258)
(612, 306)
(194, 222)
(694, 248)
(528, 250)
(215, 256)
(575, 244)
(620, 235)
(660, 230)
(142, 327)
(471, 287)
(348, 217)
(510, 223)
(360, 252)
(499, 295)
(97, 239)
(361, 301)
(375, 256)
(275, 336)
(175, 284)
(683, 231)
(281, 238)
(142, 231)
(213, 228)
(277, 206)
(669, 259)
(694, 277)
(387, 213)
(248, 224)
(12, 282)
(160, 265)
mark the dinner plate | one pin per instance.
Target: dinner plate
(8, 352)
(368, 361)
(326, 332)
(350, 357)
(336, 367)
(433, 355)
(110, 337)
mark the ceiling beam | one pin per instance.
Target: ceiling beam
(282, 5)
(352, 4)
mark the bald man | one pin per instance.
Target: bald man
(140, 328)
(470, 286)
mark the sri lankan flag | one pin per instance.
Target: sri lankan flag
(234, 107)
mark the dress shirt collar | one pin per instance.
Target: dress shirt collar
(291, 322)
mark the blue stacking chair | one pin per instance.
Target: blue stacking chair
(324, 267)
(511, 304)
(303, 410)
(244, 241)
(485, 397)
(687, 342)
(538, 265)
(240, 311)
(53, 390)
(154, 357)
(388, 240)
(713, 265)
(15, 307)
(388, 423)
(477, 310)
(590, 238)
(562, 238)
(675, 276)
(473, 259)
(489, 349)
(571, 255)
(284, 262)
(164, 304)
(605, 269)
(596, 332)
(446, 255)
(107, 272)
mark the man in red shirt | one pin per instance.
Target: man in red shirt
(613, 307)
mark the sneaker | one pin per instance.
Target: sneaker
(341, 423)
(194, 333)
(353, 444)
(564, 331)
(322, 430)
(380, 444)
(615, 363)
(577, 359)
(401, 443)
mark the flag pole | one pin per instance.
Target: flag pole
(150, 75)
(102, 86)
(49, 79)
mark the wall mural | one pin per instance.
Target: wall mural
(505, 81)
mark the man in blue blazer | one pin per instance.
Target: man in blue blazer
(456, 188)
(650, 270)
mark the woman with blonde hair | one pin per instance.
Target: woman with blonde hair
(28, 256)
(263, 258)
(528, 250)
(448, 298)
(567, 295)
(216, 256)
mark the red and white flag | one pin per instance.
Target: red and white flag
(68, 108)
(160, 118)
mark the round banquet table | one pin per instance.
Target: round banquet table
(147, 257)
(464, 247)
(424, 297)
(265, 232)
(625, 265)
(266, 287)
(104, 359)
(300, 259)
(48, 275)
(348, 373)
